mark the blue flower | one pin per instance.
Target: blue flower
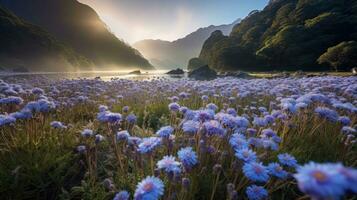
(23, 114)
(204, 115)
(256, 142)
(113, 117)
(321, 181)
(241, 122)
(58, 125)
(131, 119)
(246, 155)
(287, 160)
(348, 130)
(134, 140)
(327, 113)
(255, 192)
(232, 111)
(258, 121)
(151, 188)
(184, 95)
(98, 138)
(122, 195)
(183, 109)
(269, 144)
(109, 117)
(204, 97)
(190, 127)
(165, 131)
(289, 107)
(37, 91)
(212, 106)
(255, 171)
(11, 100)
(188, 157)
(344, 120)
(251, 132)
(81, 148)
(269, 118)
(103, 108)
(122, 135)
(174, 107)
(276, 170)
(87, 133)
(189, 115)
(6, 120)
(147, 145)
(174, 98)
(41, 105)
(268, 132)
(238, 141)
(125, 109)
(169, 164)
(350, 175)
(226, 119)
(213, 127)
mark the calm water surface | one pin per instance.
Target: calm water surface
(104, 75)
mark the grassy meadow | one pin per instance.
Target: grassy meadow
(229, 138)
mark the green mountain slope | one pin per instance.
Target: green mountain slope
(79, 25)
(285, 35)
(25, 46)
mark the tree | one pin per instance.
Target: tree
(342, 57)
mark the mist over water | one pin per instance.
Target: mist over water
(103, 75)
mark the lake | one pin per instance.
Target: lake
(104, 75)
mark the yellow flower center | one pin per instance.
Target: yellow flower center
(148, 186)
(319, 176)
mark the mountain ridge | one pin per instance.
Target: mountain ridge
(79, 26)
(28, 47)
(172, 54)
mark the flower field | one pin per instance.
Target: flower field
(228, 138)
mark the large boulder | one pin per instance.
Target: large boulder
(177, 71)
(203, 73)
(136, 72)
(236, 74)
(354, 71)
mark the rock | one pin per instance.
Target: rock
(282, 75)
(299, 74)
(203, 73)
(311, 75)
(176, 71)
(136, 72)
(354, 71)
(237, 74)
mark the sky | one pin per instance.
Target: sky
(134, 20)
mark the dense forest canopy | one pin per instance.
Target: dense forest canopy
(286, 35)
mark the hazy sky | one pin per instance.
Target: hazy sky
(134, 20)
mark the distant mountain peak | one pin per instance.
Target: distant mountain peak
(170, 55)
